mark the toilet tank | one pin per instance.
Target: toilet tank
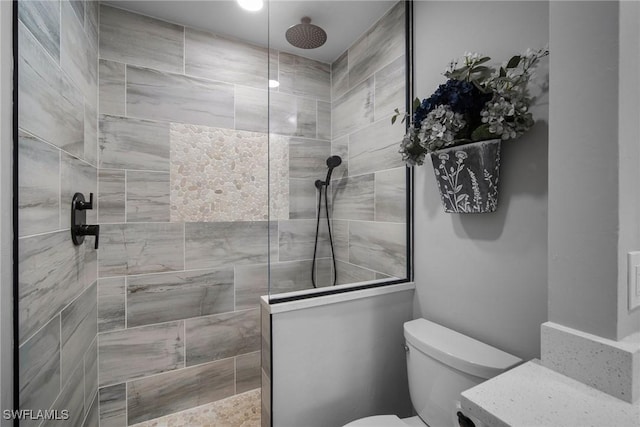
(442, 363)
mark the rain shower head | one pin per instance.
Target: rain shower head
(306, 35)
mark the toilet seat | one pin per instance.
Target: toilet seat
(386, 421)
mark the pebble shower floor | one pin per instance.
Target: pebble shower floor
(241, 410)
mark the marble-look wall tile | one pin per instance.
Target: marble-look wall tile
(111, 302)
(77, 176)
(91, 133)
(42, 19)
(324, 120)
(140, 40)
(304, 77)
(340, 234)
(140, 248)
(292, 115)
(375, 148)
(225, 59)
(91, 374)
(38, 186)
(138, 352)
(302, 198)
(147, 196)
(324, 272)
(349, 273)
(390, 89)
(112, 88)
(176, 391)
(379, 246)
(391, 195)
(113, 406)
(340, 76)
(248, 372)
(50, 106)
(340, 147)
(92, 419)
(290, 276)
(133, 144)
(78, 8)
(273, 64)
(251, 282)
(71, 398)
(156, 95)
(78, 58)
(79, 326)
(252, 109)
(308, 158)
(353, 110)
(265, 344)
(265, 397)
(214, 245)
(164, 297)
(221, 336)
(380, 45)
(353, 198)
(296, 239)
(40, 367)
(111, 192)
(92, 22)
(52, 272)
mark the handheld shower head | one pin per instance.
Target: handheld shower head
(332, 163)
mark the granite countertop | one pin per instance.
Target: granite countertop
(532, 395)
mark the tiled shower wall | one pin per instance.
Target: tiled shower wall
(57, 87)
(369, 188)
(183, 206)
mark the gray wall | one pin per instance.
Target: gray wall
(629, 160)
(485, 275)
(57, 157)
(593, 216)
(6, 226)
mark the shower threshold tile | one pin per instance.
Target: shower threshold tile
(241, 410)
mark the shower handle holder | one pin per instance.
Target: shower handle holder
(79, 226)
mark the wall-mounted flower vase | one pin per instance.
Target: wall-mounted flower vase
(467, 176)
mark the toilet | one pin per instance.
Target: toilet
(441, 363)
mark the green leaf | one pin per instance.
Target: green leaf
(482, 60)
(503, 72)
(481, 69)
(482, 133)
(416, 103)
(513, 62)
(393, 119)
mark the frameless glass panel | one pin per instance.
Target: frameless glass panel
(158, 109)
(338, 186)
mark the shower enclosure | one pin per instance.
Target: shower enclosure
(201, 133)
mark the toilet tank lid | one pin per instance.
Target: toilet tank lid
(457, 350)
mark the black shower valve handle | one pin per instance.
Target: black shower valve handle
(82, 205)
(89, 230)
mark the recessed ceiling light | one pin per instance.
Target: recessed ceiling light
(251, 5)
(274, 83)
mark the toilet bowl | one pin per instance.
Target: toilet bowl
(441, 364)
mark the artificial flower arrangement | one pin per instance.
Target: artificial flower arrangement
(477, 103)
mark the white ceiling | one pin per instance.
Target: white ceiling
(344, 21)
